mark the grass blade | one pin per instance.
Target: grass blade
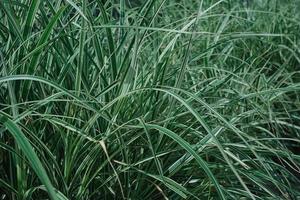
(27, 149)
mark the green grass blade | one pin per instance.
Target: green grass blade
(43, 39)
(190, 149)
(30, 17)
(27, 149)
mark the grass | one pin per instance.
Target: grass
(149, 99)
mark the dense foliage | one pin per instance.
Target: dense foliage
(149, 99)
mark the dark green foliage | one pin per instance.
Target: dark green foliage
(153, 99)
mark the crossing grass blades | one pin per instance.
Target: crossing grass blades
(153, 99)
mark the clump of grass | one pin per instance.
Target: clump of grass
(149, 99)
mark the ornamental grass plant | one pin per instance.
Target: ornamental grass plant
(149, 99)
